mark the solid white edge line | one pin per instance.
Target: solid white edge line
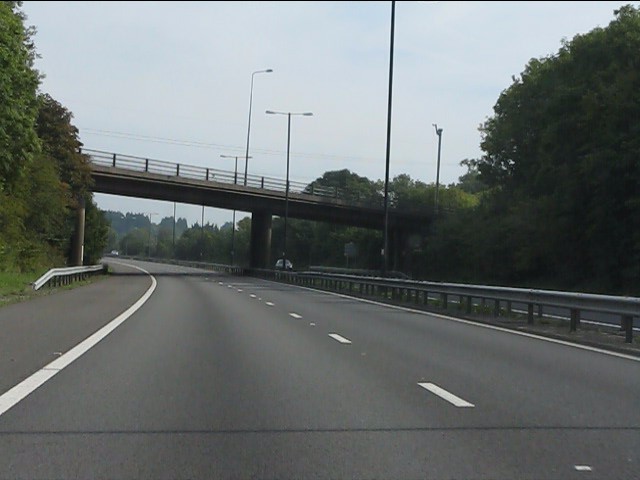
(17, 393)
(448, 396)
(476, 324)
(340, 338)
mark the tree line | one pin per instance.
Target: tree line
(43, 178)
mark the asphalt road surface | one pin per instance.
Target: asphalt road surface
(221, 377)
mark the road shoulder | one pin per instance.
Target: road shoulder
(37, 331)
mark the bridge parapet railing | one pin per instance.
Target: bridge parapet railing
(141, 164)
(160, 167)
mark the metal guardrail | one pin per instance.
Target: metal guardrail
(421, 292)
(418, 292)
(64, 276)
(216, 267)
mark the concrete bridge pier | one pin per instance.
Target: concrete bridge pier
(77, 252)
(260, 240)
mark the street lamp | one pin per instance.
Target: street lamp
(247, 157)
(149, 215)
(286, 196)
(233, 230)
(385, 248)
(439, 133)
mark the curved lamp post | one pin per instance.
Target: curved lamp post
(247, 157)
(286, 195)
(439, 133)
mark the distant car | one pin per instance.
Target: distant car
(279, 264)
(114, 253)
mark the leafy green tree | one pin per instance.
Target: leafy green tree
(136, 242)
(242, 241)
(564, 137)
(95, 232)
(346, 184)
(470, 182)
(19, 81)
(69, 173)
(61, 143)
(46, 202)
(112, 237)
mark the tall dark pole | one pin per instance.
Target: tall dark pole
(233, 227)
(149, 253)
(202, 235)
(439, 133)
(235, 174)
(286, 197)
(233, 230)
(385, 254)
(174, 228)
(246, 157)
(233, 234)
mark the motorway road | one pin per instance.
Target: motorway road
(221, 377)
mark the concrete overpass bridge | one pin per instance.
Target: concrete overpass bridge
(262, 196)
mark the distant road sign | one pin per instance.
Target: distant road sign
(350, 250)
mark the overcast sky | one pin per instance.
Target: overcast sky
(171, 80)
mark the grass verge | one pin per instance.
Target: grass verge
(16, 287)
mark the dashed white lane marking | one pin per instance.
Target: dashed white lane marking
(230, 286)
(583, 468)
(269, 303)
(474, 324)
(339, 338)
(449, 397)
(239, 290)
(16, 394)
(253, 295)
(295, 315)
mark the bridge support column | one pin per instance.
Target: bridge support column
(77, 252)
(260, 240)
